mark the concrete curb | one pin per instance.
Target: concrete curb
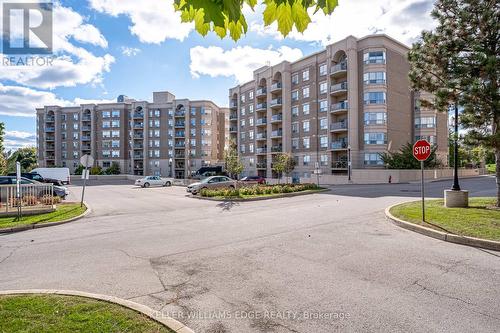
(44, 225)
(278, 196)
(444, 236)
(171, 323)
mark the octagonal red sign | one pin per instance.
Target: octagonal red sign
(422, 150)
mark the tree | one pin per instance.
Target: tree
(114, 169)
(3, 162)
(403, 159)
(458, 63)
(26, 156)
(232, 161)
(79, 170)
(283, 164)
(225, 16)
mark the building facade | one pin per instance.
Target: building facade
(338, 107)
(168, 137)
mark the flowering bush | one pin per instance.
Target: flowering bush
(257, 190)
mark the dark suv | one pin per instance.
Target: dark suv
(60, 191)
(38, 178)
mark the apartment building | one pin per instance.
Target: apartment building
(168, 137)
(338, 107)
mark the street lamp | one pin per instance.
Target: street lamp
(456, 185)
(349, 162)
(170, 166)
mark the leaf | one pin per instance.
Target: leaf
(284, 18)
(199, 23)
(270, 13)
(300, 16)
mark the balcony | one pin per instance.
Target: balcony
(50, 119)
(261, 121)
(277, 102)
(180, 145)
(261, 106)
(180, 125)
(339, 126)
(138, 146)
(233, 104)
(86, 147)
(338, 69)
(277, 149)
(261, 165)
(138, 136)
(50, 129)
(180, 134)
(50, 138)
(86, 128)
(139, 126)
(338, 89)
(261, 92)
(276, 86)
(138, 166)
(85, 137)
(277, 133)
(233, 116)
(50, 157)
(138, 115)
(339, 145)
(339, 165)
(180, 166)
(339, 107)
(233, 129)
(180, 114)
(261, 136)
(50, 147)
(86, 118)
(138, 156)
(262, 150)
(276, 118)
(180, 155)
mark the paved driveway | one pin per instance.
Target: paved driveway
(317, 263)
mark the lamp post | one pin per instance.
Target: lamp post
(456, 185)
(349, 162)
(170, 166)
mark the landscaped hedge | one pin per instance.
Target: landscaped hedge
(258, 190)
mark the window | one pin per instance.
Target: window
(323, 123)
(306, 143)
(116, 113)
(242, 149)
(243, 98)
(75, 116)
(295, 143)
(63, 135)
(305, 126)
(63, 126)
(295, 111)
(323, 160)
(242, 111)
(243, 135)
(250, 95)
(250, 121)
(305, 92)
(374, 78)
(75, 136)
(192, 122)
(295, 78)
(323, 88)
(376, 57)
(250, 135)
(192, 132)
(156, 153)
(323, 141)
(251, 161)
(242, 123)
(64, 154)
(374, 98)
(295, 127)
(375, 118)
(250, 108)
(430, 138)
(305, 109)
(75, 144)
(106, 134)
(75, 126)
(375, 138)
(115, 123)
(425, 122)
(157, 113)
(63, 117)
(305, 75)
(75, 154)
(323, 106)
(115, 144)
(306, 160)
(193, 111)
(115, 153)
(322, 69)
(106, 114)
(250, 148)
(115, 134)
(157, 133)
(106, 124)
(192, 142)
(156, 143)
(106, 144)
(373, 159)
(295, 95)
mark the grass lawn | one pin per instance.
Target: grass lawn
(475, 221)
(491, 168)
(64, 211)
(243, 196)
(68, 314)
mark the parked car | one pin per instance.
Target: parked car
(214, 182)
(253, 180)
(154, 181)
(205, 172)
(38, 178)
(59, 191)
(61, 174)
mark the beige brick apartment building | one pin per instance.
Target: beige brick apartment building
(168, 137)
(347, 103)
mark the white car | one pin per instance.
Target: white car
(154, 181)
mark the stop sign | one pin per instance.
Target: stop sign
(421, 150)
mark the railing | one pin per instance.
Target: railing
(261, 136)
(138, 146)
(261, 91)
(138, 136)
(233, 103)
(338, 68)
(261, 165)
(277, 133)
(50, 129)
(180, 156)
(276, 149)
(261, 121)
(261, 150)
(138, 115)
(86, 128)
(32, 197)
(340, 106)
(277, 117)
(276, 101)
(50, 138)
(180, 113)
(139, 166)
(138, 156)
(276, 86)
(233, 116)
(180, 134)
(86, 118)
(50, 119)
(338, 87)
(50, 157)
(85, 138)
(233, 129)
(339, 165)
(180, 145)
(339, 144)
(339, 125)
(140, 125)
(50, 147)
(261, 106)
(86, 147)
(180, 124)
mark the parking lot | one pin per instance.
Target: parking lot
(314, 263)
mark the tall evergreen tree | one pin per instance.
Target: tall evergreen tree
(458, 62)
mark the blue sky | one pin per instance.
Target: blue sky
(105, 48)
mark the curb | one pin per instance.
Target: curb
(282, 195)
(44, 225)
(171, 323)
(444, 236)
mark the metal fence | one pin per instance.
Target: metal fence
(31, 197)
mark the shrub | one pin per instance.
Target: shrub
(276, 189)
(30, 200)
(48, 200)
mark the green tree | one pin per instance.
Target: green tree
(26, 156)
(403, 159)
(283, 164)
(3, 161)
(225, 16)
(234, 167)
(458, 63)
(79, 170)
(114, 169)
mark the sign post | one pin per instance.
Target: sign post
(18, 189)
(86, 161)
(317, 171)
(422, 151)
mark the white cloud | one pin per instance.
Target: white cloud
(130, 51)
(17, 139)
(153, 21)
(400, 19)
(239, 62)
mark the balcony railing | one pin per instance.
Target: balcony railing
(277, 117)
(261, 136)
(262, 150)
(180, 144)
(50, 119)
(340, 67)
(261, 165)
(180, 134)
(85, 137)
(261, 121)
(233, 129)
(233, 116)
(138, 166)
(233, 104)
(276, 102)
(138, 136)
(339, 165)
(86, 128)
(86, 147)
(86, 118)
(261, 106)
(261, 92)
(49, 138)
(277, 134)
(339, 144)
(180, 155)
(338, 87)
(180, 125)
(341, 125)
(50, 129)
(138, 115)
(342, 106)
(276, 86)
(50, 147)
(138, 156)
(180, 113)
(277, 149)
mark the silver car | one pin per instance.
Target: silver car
(214, 182)
(154, 181)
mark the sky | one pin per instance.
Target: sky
(105, 48)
